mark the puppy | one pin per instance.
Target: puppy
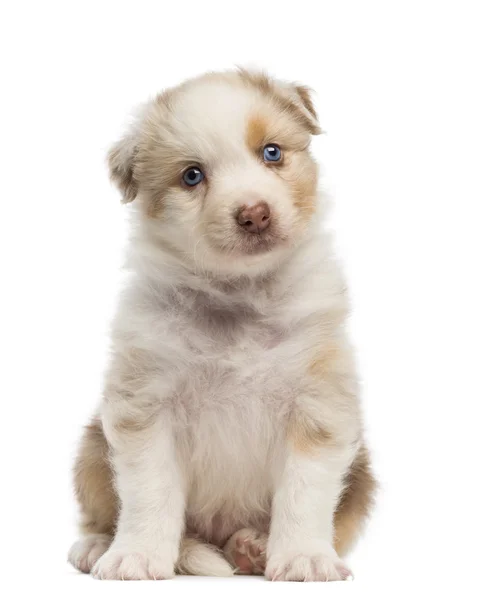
(229, 438)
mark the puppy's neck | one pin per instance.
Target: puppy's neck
(162, 269)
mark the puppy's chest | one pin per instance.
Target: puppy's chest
(234, 404)
(244, 365)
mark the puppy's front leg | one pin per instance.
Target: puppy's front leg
(150, 488)
(300, 546)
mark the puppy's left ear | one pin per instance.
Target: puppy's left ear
(307, 105)
(121, 159)
(301, 96)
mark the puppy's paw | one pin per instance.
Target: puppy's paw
(246, 551)
(86, 551)
(131, 564)
(321, 565)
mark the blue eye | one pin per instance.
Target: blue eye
(192, 176)
(272, 153)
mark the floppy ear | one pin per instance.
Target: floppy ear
(121, 160)
(307, 106)
(300, 97)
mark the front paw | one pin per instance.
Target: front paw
(319, 565)
(129, 564)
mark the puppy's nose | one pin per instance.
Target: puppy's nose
(256, 218)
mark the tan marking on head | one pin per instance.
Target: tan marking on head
(305, 434)
(257, 132)
(304, 187)
(356, 502)
(289, 98)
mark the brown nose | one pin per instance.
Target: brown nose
(255, 219)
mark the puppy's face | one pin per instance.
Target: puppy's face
(221, 170)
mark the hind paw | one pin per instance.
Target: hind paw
(86, 551)
(246, 551)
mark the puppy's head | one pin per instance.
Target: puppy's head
(221, 171)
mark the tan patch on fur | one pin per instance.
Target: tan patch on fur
(323, 361)
(331, 365)
(305, 434)
(304, 187)
(280, 97)
(93, 473)
(93, 479)
(356, 502)
(256, 136)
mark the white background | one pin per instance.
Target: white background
(399, 98)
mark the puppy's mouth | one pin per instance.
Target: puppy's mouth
(240, 243)
(258, 243)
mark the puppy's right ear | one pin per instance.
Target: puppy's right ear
(121, 159)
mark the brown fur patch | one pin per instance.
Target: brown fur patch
(305, 434)
(256, 135)
(323, 361)
(93, 480)
(356, 502)
(280, 97)
(304, 188)
(331, 366)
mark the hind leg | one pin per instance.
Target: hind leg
(97, 498)
(87, 550)
(246, 551)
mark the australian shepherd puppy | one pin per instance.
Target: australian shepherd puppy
(229, 438)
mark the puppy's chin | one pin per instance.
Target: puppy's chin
(248, 256)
